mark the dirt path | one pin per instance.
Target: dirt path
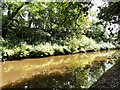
(109, 80)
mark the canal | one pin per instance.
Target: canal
(66, 71)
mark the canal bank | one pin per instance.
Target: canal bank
(109, 80)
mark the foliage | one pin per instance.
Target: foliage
(37, 29)
(75, 45)
(54, 20)
(96, 32)
(111, 14)
(118, 60)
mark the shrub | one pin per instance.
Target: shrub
(58, 49)
(106, 45)
(74, 45)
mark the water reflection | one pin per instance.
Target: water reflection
(85, 77)
(71, 71)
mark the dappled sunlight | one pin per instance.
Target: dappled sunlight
(58, 44)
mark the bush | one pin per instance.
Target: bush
(106, 45)
(58, 49)
(74, 45)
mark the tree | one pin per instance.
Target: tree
(111, 13)
(56, 19)
(10, 15)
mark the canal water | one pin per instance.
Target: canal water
(67, 71)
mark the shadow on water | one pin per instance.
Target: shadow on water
(81, 71)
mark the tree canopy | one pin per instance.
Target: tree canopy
(36, 29)
(48, 18)
(111, 12)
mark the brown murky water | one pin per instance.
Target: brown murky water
(66, 71)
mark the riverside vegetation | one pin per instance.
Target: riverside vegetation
(38, 29)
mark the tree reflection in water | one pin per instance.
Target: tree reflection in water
(85, 77)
